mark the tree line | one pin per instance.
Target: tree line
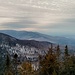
(53, 63)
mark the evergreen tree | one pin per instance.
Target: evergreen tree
(49, 64)
(25, 69)
(68, 67)
(66, 50)
(58, 50)
(15, 64)
(51, 50)
(8, 68)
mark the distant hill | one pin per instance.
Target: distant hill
(6, 39)
(27, 35)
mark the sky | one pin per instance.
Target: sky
(52, 17)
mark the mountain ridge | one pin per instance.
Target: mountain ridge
(12, 41)
(29, 35)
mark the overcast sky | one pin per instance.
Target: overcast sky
(53, 17)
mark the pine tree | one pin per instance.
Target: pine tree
(50, 50)
(8, 69)
(58, 50)
(49, 64)
(25, 69)
(15, 63)
(66, 50)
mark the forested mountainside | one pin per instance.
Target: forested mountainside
(4, 38)
(28, 35)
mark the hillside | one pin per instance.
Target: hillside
(6, 39)
(27, 35)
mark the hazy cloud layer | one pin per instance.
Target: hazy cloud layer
(46, 16)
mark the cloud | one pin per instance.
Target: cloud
(6, 20)
(38, 15)
(19, 24)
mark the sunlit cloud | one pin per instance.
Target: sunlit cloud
(6, 20)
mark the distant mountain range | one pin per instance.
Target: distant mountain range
(11, 41)
(27, 35)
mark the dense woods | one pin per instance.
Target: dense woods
(53, 63)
